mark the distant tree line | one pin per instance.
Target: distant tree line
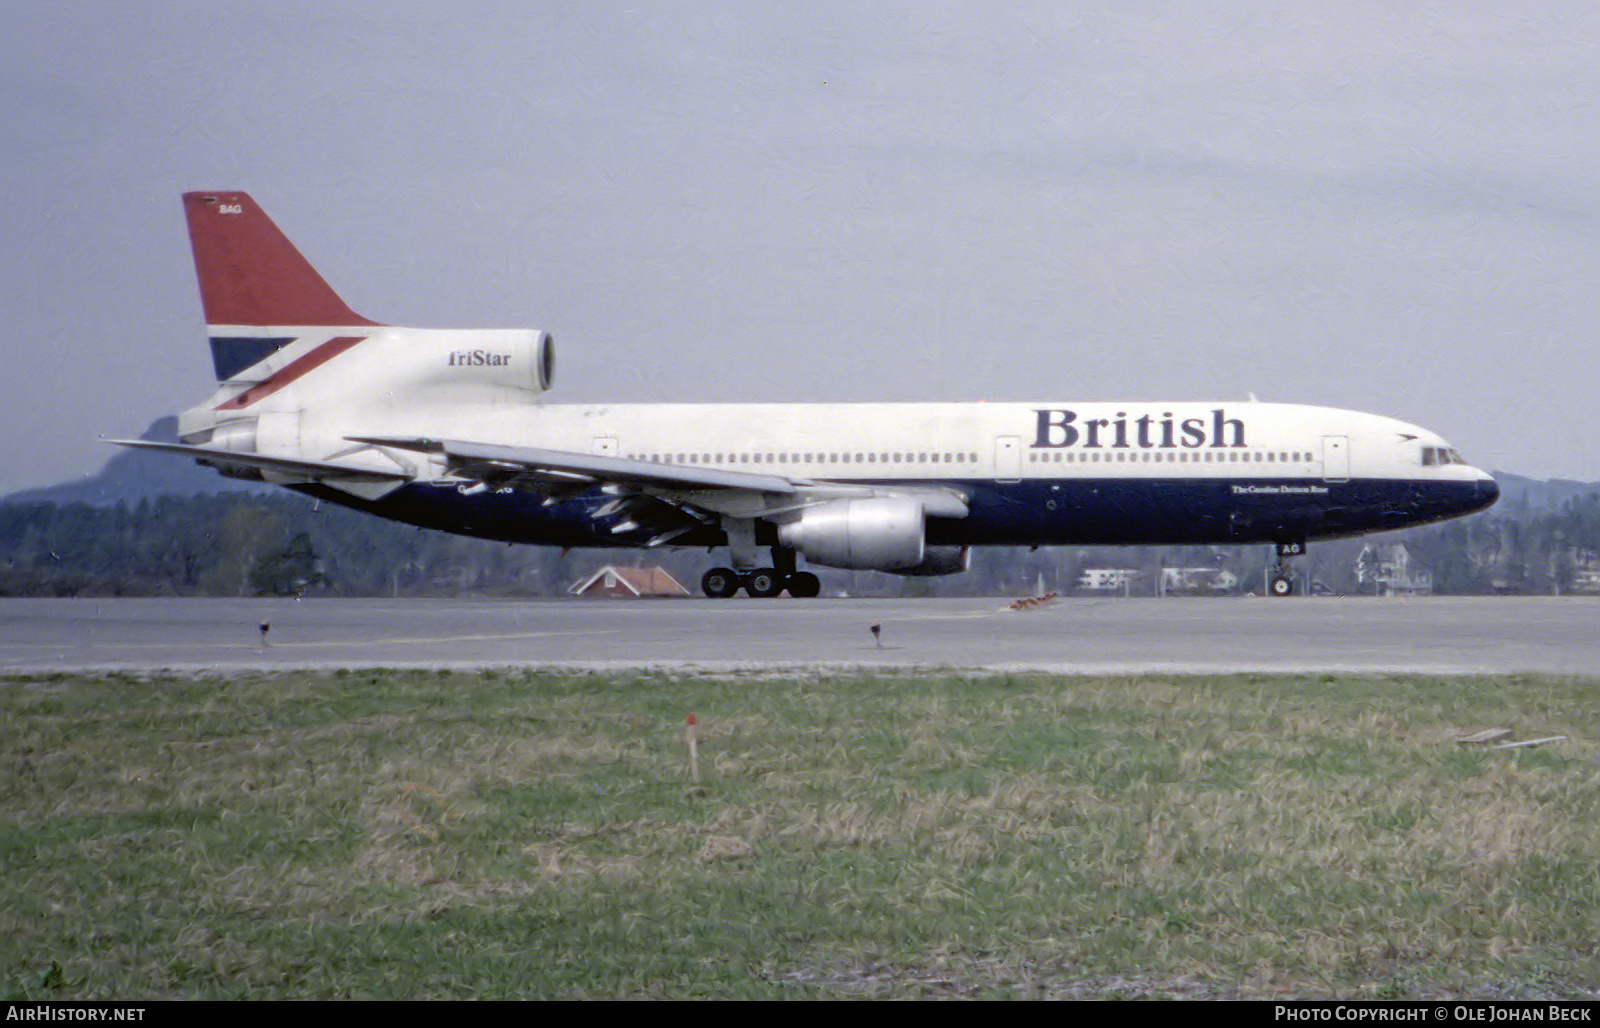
(281, 545)
(242, 544)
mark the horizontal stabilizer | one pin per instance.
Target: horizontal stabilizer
(310, 469)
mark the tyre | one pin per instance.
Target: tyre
(719, 583)
(762, 583)
(1282, 586)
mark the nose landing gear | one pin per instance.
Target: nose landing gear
(1283, 574)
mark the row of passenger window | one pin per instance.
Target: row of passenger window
(1169, 457)
(723, 459)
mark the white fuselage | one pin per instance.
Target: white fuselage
(447, 428)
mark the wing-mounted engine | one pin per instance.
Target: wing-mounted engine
(880, 533)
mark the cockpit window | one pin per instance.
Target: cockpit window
(1432, 456)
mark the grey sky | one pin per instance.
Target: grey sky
(1363, 206)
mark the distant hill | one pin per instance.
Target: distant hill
(1520, 496)
(134, 475)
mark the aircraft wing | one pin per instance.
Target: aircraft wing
(646, 489)
(315, 470)
(532, 467)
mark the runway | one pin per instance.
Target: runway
(1439, 635)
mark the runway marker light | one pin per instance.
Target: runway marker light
(694, 751)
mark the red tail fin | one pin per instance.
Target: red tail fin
(250, 274)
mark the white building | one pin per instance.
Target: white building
(1107, 578)
(1392, 572)
(1197, 581)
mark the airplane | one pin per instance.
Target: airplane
(448, 429)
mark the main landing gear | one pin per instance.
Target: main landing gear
(759, 582)
(1282, 580)
(721, 583)
(747, 555)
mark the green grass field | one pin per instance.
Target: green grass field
(396, 835)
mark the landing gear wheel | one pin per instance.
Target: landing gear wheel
(762, 583)
(804, 585)
(719, 583)
(1282, 585)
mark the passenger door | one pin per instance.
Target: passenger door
(1007, 458)
(1336, 458)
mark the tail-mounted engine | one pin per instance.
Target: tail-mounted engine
(489, 365)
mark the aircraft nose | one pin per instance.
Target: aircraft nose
(1488, 491)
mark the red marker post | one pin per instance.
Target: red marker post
(694, 751)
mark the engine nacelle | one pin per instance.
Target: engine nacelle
(505, 365)
(940, 560)
(877, 534)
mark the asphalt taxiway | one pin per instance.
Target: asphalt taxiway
(1445, 635)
